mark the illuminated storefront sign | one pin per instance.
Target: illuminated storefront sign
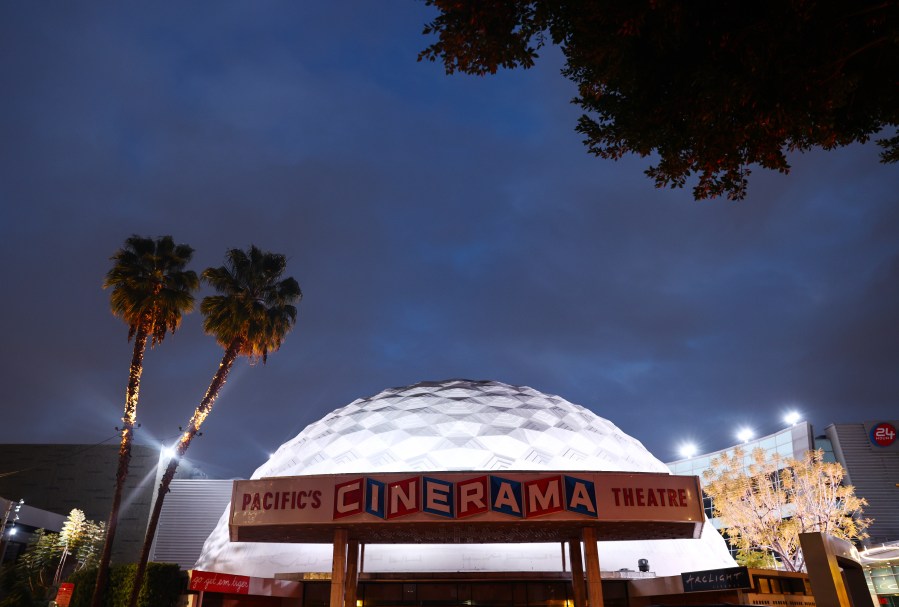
(883, 434)
(716, 579)
(443, 497)
(206, 581)
(226, 583)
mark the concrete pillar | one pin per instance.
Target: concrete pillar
(825, 556)
(352, 572)
(591, 563)
(338, 568)
(577, 572)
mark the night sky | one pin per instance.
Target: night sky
(439, 226)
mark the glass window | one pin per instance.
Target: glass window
(383, 594)
(438, 592)
(316, 594)
(546, 593)
(886, 584)
(491, 594)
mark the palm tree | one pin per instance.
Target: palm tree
(253, 313)
(151, 291)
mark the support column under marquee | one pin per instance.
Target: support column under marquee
(352, 573)
(591, 563)
(577, 572)
(338, 568)
(835, 582)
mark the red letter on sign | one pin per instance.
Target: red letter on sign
(471, 496)
(402, 497)
(543, 496)
(348, 498)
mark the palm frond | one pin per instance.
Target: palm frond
(150, 285)
(255, 306)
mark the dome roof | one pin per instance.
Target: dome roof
(458, 425)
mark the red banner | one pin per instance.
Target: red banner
(219, 582)
(64, 594)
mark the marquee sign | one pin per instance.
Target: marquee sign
(458, 506)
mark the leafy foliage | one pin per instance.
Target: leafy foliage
(84, 581)
(163, 584)
(150, 286)
(709, 88)
(256, 308)
(80, 538)
(766, 505)
(28, 581)
(756, 559)
(34, 577)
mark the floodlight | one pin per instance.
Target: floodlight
(745, 434)
(688, 450)
(792, 417)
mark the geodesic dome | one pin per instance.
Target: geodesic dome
(459, 425)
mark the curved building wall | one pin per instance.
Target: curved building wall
(789, 442)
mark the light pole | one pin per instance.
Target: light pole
(12, 508)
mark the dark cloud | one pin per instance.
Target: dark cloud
(439, 226)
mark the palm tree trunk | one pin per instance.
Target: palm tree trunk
(137, 367)
(218, 380)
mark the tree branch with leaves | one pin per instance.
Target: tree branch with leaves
(708, 89)
(765, 503)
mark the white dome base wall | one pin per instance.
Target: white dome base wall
(459, 425)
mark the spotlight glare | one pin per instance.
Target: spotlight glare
(167, 452)
(792, 417)
(745, 434)
(688, 450)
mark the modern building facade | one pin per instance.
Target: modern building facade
(58, 478)
(18, 523)
(869, 453)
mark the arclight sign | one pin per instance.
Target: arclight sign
(309, 508)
